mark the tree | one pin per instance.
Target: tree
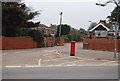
(14, 16)
(113, 16)
(93, 24)
(36, 35)
(76, 35)
(32, 24)
(83, 32)
(65, 29)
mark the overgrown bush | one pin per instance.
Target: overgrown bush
(36, 35)
(73, 37)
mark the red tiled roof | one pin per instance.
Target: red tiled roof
(42, 25)
(108, 25)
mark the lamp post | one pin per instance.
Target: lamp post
(115, 2)
(60, 24)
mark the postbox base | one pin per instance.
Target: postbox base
(72, 54)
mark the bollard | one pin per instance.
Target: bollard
(72, 50)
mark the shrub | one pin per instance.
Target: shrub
(73, 37)
(36, 35)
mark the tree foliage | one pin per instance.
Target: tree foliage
(76, 35)
(65, 29)
(114, 14)
(32, 24)
(93, 24)
(14, 16)
(36, 35)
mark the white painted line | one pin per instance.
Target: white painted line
(32, 66)
(52, 51)
(46, 54)
(69, 62)
(106, 63)
(56, 59)
(13, 66)
(39, 62)
(90, 59)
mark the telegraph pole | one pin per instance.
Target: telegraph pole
(60, 24)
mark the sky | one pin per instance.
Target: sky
(76, 13)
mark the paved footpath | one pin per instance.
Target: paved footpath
(57, 56)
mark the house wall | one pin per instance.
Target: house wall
(100, 44)
(92, 33)
(9, 43)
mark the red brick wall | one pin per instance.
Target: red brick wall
(9, 43)
(100, 44)
(49, 41)
(0, 43)
(118, 45)
(59, 41)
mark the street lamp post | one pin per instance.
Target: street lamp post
(60, 24)
(115, 42)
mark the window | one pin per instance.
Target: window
(100, 33)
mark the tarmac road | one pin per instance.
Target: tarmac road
(82, 72)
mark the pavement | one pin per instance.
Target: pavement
(57, 56)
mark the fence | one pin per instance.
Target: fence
(100, 44)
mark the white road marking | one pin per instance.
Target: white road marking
(90, 59)
(106, 63)
(57, 52)
(56, 59)
(32, 66)
(39, 62)
(13, 66)
(68, 62)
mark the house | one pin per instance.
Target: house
(119, 31)
(103, 29)
(53, 29)
(48, 30)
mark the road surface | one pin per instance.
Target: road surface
(75, 72)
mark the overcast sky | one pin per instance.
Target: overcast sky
(76, 13)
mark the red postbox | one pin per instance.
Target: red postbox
(72, 48)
